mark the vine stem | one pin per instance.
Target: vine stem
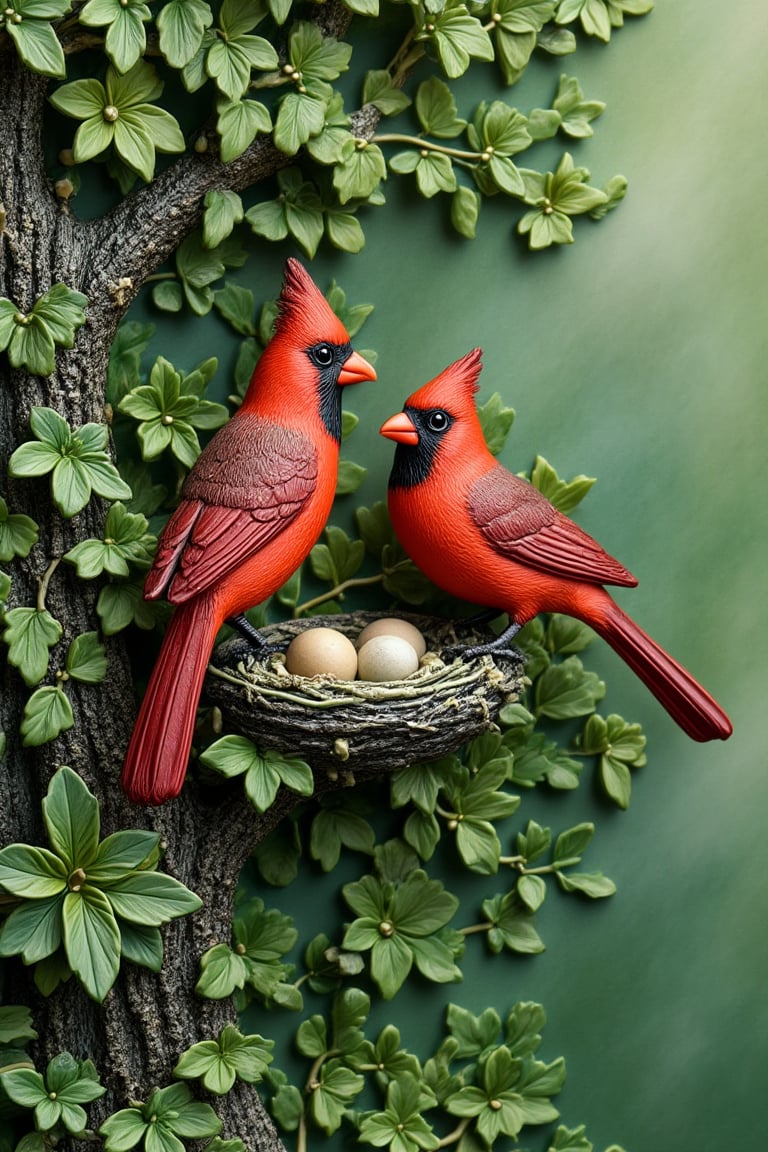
(45, 580)
(475, 928)
(339, 590)
(160, 276)
(418, 142)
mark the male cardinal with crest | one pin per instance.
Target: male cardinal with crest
(251, 509)
(489, 537)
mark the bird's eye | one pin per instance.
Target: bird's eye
(438, 421)
(322, 355)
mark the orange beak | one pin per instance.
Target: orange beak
(401, 428)
(356, 368)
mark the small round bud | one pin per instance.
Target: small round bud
(64, 188)
(110, 113)
(166, 418)
(386, 928)
(201, 145)
(67, 157)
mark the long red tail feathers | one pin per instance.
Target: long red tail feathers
(156, 760)
(685, 700)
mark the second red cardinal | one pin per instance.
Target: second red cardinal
(251, 509)
(486, 536)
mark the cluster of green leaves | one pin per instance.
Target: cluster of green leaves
(301, 105)
(118, 118)
(77, 461)
(253, 965)
(55, 1098)
(599, 17)
(495, 135)
(168, 1116)
(28, 25)
(31, 337)
(485, 1074)
(84, 903)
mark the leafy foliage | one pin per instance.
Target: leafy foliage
(85, 899)
(31, 337)
(77, 461)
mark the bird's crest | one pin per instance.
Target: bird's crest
(303, 311)
(455, 387)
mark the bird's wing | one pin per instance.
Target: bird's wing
(519, 522)
(247, 486)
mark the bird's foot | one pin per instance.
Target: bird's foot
(243, 625)
(500, 646)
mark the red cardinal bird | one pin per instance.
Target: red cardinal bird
(489, 537)
(251, 508)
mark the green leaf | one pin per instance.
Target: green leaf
(437, 111)
(221, 971)
(457, 38)
(32, 345)
(576, 113)
(236, 304)
(62, 311)
(47, 713)
(71, 814)
(566, 690)
(474, 1034)
(150, 898)
(344, 231)
(91, 940)
(141, 945)
(29, 634)
(223, 210)
(379, 91)
(134, 144)
(496, 419)
(31, 873)
(86, 659)
(316, 56)
(360, 173)
(512, 925)
(299, 117)
(592, 884)
(337, 1088)
(25, 1087)
(565, 495)
(571, 845)
(123, 1130)
(33, 930)
(16, 1025)
(465, 209)
(333, 829)
(181, 24)
(38, 46)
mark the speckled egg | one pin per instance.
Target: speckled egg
(322, 651)
(386, 658)
(392, 626)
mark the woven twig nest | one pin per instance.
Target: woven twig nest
(340, 725)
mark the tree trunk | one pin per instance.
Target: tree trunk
(138, 1034)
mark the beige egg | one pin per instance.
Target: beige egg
(392, 626)
(322, 651)
(386, 658)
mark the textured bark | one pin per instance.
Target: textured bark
(136, 1037)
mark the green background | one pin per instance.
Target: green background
(637, 356)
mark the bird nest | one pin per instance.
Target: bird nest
(354, 726)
